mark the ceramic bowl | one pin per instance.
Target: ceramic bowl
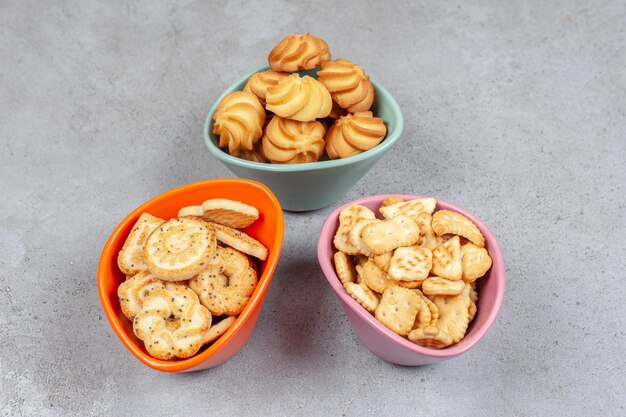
(310, 186)
(379, 339)
(268, 229)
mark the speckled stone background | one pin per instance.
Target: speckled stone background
(514, 110)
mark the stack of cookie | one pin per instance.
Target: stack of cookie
(282, 117)
(415, 270)
(188, 278)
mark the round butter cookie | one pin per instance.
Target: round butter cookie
(353, 134)
(292, 142)
(350, 88)
(297, 52)
(239, 121)
(299, 98)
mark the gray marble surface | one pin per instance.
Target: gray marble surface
(514, 110)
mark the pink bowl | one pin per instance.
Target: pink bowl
(379, 339)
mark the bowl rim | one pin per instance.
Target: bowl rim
(108, 253)
(391, 138)
(325, 243)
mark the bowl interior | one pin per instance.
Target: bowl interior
(384, 106)
(490, 287)
(268, 229)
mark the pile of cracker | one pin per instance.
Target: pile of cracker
(188, 278)
(416, 270)
(282, 117)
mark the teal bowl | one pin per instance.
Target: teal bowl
(313, 185)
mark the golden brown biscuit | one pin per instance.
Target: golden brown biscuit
(179, 248)
(239, 121)
(353, 134)
(258, 83)
(172, 323)
(299, 98)
(348, 85)
(226, 285)
(292, 142)
(130, 259)
(296, 52)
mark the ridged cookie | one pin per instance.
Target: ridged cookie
(291, 142)
(297, 52)
(229, 213)
(299, 98)
(239, 121)
(353, 134)
(350, 88)
(258, 83)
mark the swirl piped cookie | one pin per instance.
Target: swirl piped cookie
(259, 83)
(289, 141)
(239, 121)
(353, 134)
(347, 83)
(301, 107)
(299, 98)
(299, 52)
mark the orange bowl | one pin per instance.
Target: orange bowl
(268, 229)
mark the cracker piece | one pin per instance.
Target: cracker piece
(430, 337)
(229, 213)
(424, 316)
(409, 208)
(447, 260)
(130, 260)
(240, 241)
(165, 338)
(374, 277)
(361, 293)
(218, 329)
(411, 263)
(446, 221)
(475, 262)
(348, 218)
(179, 248)
(473, 293)
(134, 290)
(387, 235)
(383, 261)
(471, 311)
(398, 308)
(434, 312)
(453, 313)
(355, 235)
(344, 267)
(408, 284)
(390, 201)
(191, 211)
(428, 238)
(442, 286)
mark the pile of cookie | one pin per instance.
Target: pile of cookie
(281, 117)
(415, 270)
(188, 278)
